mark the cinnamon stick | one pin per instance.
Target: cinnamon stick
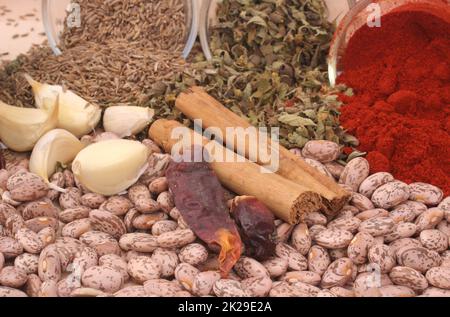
(195, 103)
(287, 200)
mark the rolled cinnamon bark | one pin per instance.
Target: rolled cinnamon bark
(195, 103)
(287, 200)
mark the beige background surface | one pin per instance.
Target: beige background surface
(32, 25)
(16, 24)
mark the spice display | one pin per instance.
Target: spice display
(196, 104)
(200, 198)
(256, 224)
(94, 206)
(400, 110)
(287, 200)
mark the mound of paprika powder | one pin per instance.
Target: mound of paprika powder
(400, 110)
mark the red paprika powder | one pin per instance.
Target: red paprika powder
(400, 112)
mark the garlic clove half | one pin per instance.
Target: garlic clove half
(76, 115)
(127, 120)
(21, 128)
(55, 147)
(110, 167)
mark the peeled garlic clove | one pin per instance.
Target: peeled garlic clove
(55, 147)
(126, 120)
(76, 115)
(110, 167)
(21, 128)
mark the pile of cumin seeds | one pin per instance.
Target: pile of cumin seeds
(161, 24)
(100, 62)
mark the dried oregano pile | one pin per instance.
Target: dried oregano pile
(270, 66)
(269, 63)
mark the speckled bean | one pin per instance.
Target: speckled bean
(350, 224)
(107, 222)
(318, 259)
(307, 277)
(401, 230)
(247, 267)
(24, 186)
(27, 262)
(361, 202)
(193, 254)
(276, 266)
(92, 200)
(320, 150)
(71, 198)
(229, 288)
(283, 232)
(390, 195)
(372, 213)
(381, 255)
(163, 226)
(10, 248)
(301, 239)
(439, 277)
(117, 205)
(433, 239)
(29, 240)
(168, 261)
(185, 274)
(355, 172)
(204, 282)
(425, 193)
(257, 286)
(377, 226)
(406, 276)
(146, 221)
(12, 276)
(296, 261)
(141, 198)
(371, 183)
(333, 238)
(358, 248)
(161, 287)
(176, 239)
(418, 258)
(102, 278)
(429, 219)
(338, 273)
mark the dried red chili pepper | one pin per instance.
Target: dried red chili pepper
(200, 198)
(257, 226)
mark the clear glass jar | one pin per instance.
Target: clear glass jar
(55, 13)
(353, 20)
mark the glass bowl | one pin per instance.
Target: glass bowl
(356, 17)
(54, 13)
